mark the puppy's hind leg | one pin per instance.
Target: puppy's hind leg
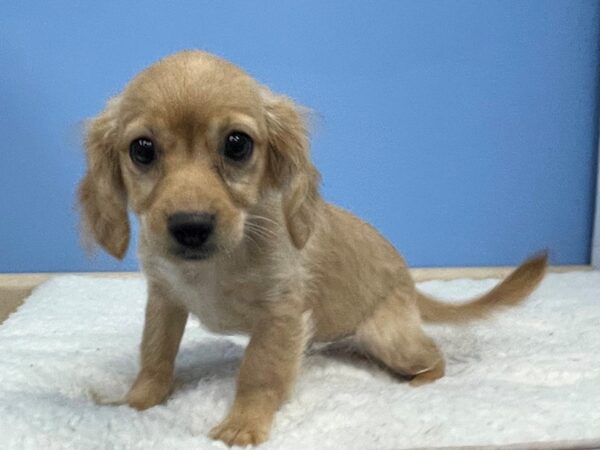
(393, 335)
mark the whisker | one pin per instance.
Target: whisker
(261, 235)
(257, 227)
(249, 236)
(266, 219)
(258, 233)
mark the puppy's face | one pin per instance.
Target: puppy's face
(192, 153)
(191, 146)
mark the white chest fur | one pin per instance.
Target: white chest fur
(223, 304)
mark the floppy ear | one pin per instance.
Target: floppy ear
(101, 192)
(290, 168)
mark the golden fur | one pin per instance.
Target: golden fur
(290, 268)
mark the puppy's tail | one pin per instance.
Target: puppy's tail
(511, 291)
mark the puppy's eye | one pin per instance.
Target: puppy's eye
(142, 151)
(238, 146)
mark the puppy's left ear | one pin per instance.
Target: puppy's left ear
(289, 166)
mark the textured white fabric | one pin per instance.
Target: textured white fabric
(530, 375)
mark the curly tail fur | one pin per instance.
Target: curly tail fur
(511, 291)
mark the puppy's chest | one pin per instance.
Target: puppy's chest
(224, 304)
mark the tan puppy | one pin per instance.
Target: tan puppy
(234, 231)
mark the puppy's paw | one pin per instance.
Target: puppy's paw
(147, 392)
(428, 376)
(241, 430)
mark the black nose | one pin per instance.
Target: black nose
(191, 230)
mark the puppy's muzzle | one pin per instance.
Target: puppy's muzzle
(192, 231)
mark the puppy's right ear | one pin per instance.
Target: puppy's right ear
(102, 195)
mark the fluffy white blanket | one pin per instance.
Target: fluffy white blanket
(528, 379)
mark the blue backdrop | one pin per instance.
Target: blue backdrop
(466, 131)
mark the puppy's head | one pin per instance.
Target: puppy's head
(191, 146)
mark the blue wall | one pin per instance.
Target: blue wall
(464, 130)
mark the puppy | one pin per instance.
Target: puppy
(233, 230)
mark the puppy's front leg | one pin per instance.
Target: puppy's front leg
(266, 378)
(163, 328)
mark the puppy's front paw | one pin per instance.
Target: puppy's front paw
(242, 430)
(428, 376)
(148, 391)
